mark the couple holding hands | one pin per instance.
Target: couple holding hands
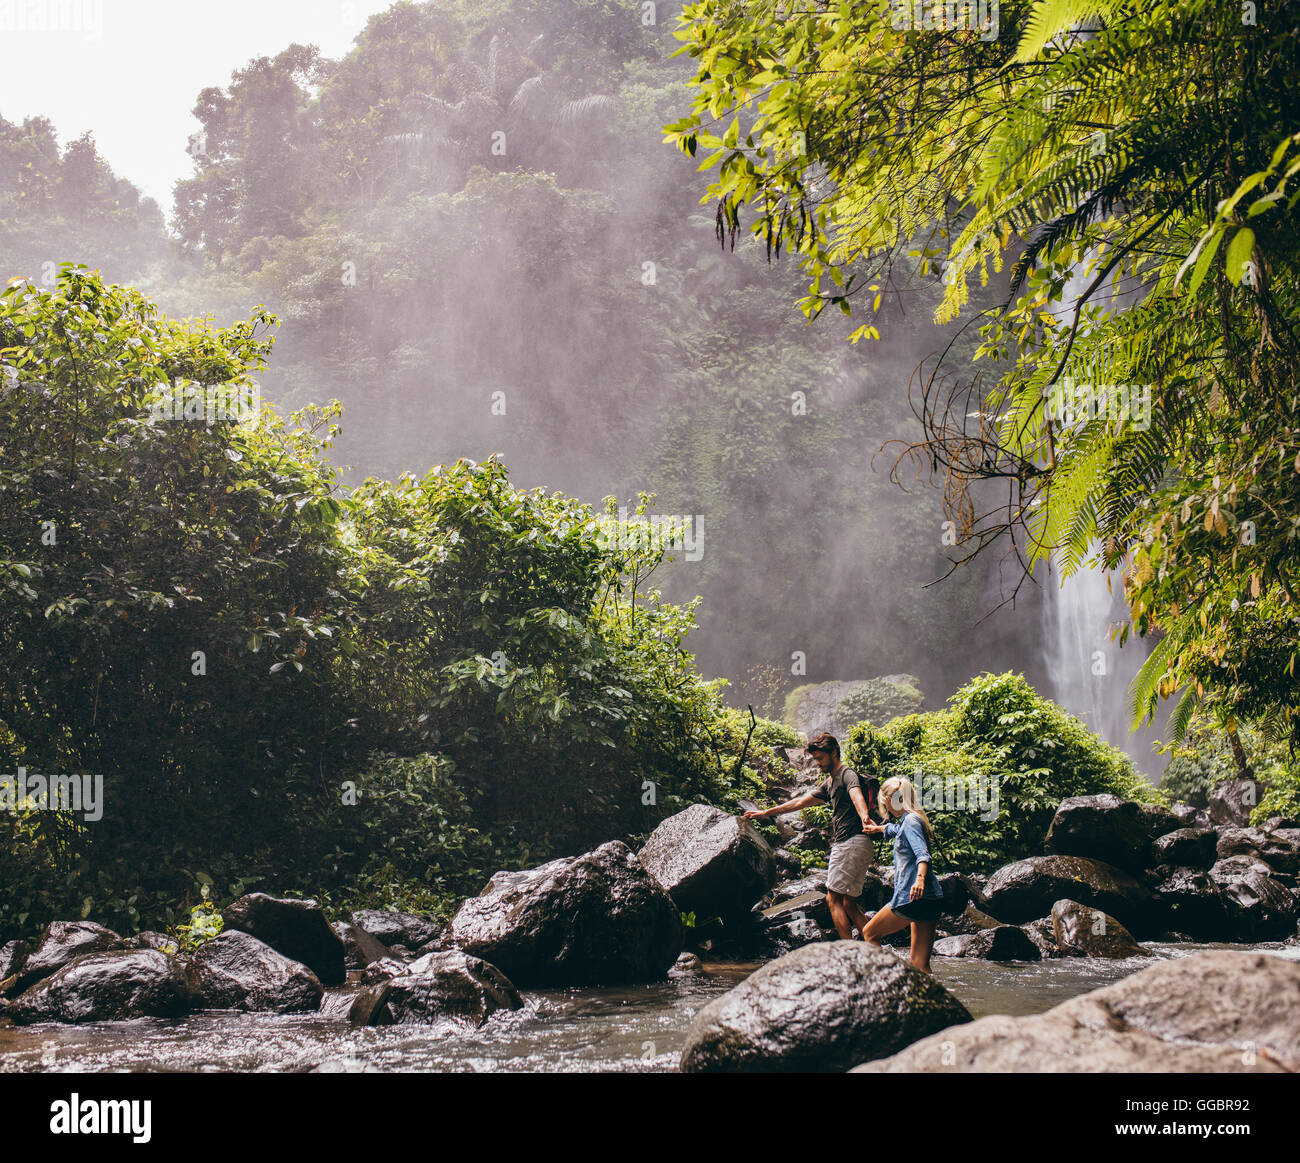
(857, 808)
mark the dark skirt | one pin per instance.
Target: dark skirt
(922, 910)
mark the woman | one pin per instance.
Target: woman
(918, 896)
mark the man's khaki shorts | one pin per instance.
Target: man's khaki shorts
(850, 860)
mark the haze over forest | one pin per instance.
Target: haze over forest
(476, 240)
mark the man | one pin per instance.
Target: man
(852, 805)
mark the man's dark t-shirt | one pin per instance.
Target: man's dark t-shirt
(845, 821)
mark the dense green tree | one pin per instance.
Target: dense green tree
(1139, 407)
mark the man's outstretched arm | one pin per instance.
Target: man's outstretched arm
(808, 801)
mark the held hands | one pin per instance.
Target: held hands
(752, 815)
(872, 829)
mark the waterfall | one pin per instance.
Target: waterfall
(1090, 674)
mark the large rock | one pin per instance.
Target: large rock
(107, 987)
(395, 928)
(1279, 849)
(1043, 934)
(596, 919)
(877, 889)
(151, 939)
(1106, 828)
(236, 971)
(787, 890)
(794, 923)
(359, 947)
(1232, 801)
(1092, 932)
(1026, 890)
(711, 863)
(438, 987)
(971, 920)
(1189, 901)
(1259, 907)
(1218, 1012)
(1190, 816)
(1002, 943)
(59, 943)
(12, 956)
(821, 1008)
(1185, 848)
(297, 929)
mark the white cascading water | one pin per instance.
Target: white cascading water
(1090, 673)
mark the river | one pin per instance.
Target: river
(637, 1028)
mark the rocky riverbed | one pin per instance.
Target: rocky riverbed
(585, 963)
(628, 1029)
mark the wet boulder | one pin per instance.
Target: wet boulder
(359, 947)
(711, 863)
(787, 862)
(1185, 848)
(821, 1008)
(1043, 934)
(395, 928)
(1279, 849)
(956, 896)
(378, 971)
(1232, 801)
(1190, 816)
(1216, 1012)
(970, 920)
(12, 956)
(1003, 943)
(107, 987)
(1092, 932)
(794, 923)
(1027, 889)
(596, 919)
(150, 939)
(877, 889)
(1189, 902)
(1259, 906)
(686, 965)
(788, 890)
(59, 943)
(811, 906)
(236, 971)
(441, 986)
(1108, 829)
(295, 928)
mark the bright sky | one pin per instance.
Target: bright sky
(130, 70)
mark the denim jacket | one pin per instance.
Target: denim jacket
(911, 849)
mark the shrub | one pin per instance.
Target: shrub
(879, 700)
(1000, 740)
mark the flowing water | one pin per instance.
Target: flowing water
(1090, 673)
(640, 1028)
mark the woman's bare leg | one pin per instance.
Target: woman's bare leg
(882, 924)
(922, 943)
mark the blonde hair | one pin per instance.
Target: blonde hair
(901, 793)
